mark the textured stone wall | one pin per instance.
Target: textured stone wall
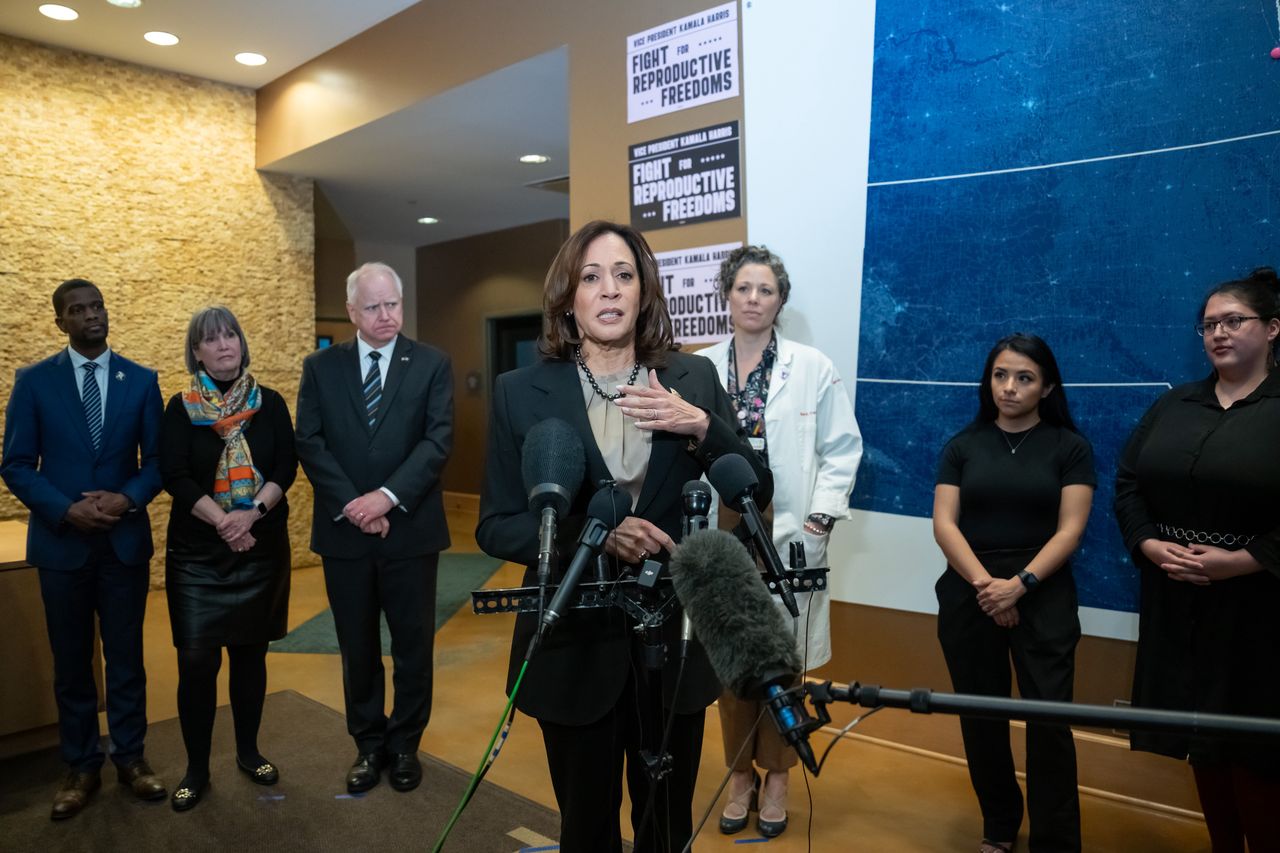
(144, 182)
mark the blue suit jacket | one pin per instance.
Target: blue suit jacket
(49, 458)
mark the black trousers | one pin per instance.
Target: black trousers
(586, 764)
(1042, 647)
(117, 593)
(405, 591)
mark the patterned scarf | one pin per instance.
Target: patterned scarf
(237, 480)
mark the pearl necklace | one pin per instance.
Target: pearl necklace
(595, 386)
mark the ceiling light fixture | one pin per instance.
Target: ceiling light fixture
(59, 13)
(428, 220)
(161, 38)
(126, 4)
(251, 59)
(534, 158)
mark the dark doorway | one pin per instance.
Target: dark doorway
(513, 342)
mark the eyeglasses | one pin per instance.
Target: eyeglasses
(1231, 324)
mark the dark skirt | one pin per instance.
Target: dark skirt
(220, 598)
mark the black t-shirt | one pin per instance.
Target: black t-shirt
(1010, 500)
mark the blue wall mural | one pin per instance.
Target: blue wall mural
(1160, 128)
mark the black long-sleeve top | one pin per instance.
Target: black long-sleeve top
(1193, 465)
(189, 458)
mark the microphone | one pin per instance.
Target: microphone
(696, 498)
(607, 507)
(552, 466)
(733, 478)
(744, 635)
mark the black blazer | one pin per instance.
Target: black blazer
(405, 451)
(579, 673)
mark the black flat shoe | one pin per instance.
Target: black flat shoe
(730, 821)
(366, 772)
(188, 794)
(406, 772)
(262, 772)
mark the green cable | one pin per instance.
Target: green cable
(489, 756)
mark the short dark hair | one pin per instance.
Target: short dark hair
(654, 336)
(60, 295)
(744, 255)
(1053, 408)
(210, 321)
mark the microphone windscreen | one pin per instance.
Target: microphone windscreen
(696, 487)
(552, 456)
(733, 614)
(609, 506)
(732, 476)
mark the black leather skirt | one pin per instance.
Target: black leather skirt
(220, 598)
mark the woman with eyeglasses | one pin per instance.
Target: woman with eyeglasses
(1198, 502)
(1010, 505)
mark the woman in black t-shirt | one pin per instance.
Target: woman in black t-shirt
(227, 457)
(1010, 505)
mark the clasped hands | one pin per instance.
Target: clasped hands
(656, 408)
(97, 510)
(1198, 564)
(997, 597)
(369, 513)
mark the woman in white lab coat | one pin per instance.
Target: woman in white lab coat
(790, 400)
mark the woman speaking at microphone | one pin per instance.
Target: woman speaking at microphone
(650, 419)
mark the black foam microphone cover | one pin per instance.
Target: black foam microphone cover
(732, 477)
(552, 465)
(733, 614)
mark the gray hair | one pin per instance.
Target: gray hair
(744, 255)
(353, 280)
(208, 322)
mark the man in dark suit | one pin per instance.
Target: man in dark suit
(375, 426)
(75, 427)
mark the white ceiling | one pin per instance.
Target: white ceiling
(452, 156)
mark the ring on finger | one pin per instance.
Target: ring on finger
(653, 414)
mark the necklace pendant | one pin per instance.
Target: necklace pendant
(1013, 451)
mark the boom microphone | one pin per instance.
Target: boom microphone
(552, 465)
(607, 507)
(733, 478)
(745, 637)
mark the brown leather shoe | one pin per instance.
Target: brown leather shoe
(140, 779)
(74, 793)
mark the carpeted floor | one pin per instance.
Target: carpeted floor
(308, 810)
(456, 577)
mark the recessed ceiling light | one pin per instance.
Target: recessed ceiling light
(534, 158)
(428, 220)
(251, 59)
(126, 4)
(161, 38)
(59, 13)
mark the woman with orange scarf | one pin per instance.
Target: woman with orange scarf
(227, 457)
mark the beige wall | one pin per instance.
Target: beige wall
(145, 183)
(469, 282)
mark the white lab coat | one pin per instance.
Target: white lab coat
(814, 451)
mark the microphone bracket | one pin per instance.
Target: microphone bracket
(621, 593)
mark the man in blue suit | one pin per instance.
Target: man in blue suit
(80, 451)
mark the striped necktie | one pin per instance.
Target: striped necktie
(373, 388)
(92, 398)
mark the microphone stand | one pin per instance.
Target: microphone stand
(922, 700)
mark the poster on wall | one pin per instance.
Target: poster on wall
(683, 63)
(686, 178)
(699, 313)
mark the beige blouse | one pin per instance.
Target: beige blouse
(625, 448)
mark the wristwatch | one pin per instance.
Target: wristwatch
(1029, 580)
(820, 519)
(261, 507)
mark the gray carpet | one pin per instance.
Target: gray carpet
(457, 576)
(308, 810)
